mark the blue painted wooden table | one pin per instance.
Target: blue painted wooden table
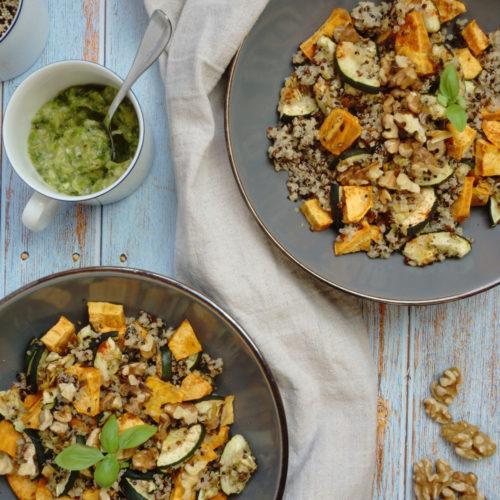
(410, 345)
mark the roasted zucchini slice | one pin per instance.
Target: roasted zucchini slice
(180, 445)
(336, 205)
(413, 215)
(140, 476)
(193, 361)
(358, 65)
(351, 157)
(434, 177)
(165, 363)
(295, 100)
(67, 482)
(428, 248)
(35, 355)
(237, 465)
(34, 437)
(494, 209)
(138, 489)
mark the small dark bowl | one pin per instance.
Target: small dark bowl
(260, 417)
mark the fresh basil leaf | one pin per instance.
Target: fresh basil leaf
(106, 471)
(78, 457)
(442, 99)
(457, 116)
(449, 83)
(109, 435)
(135, 436)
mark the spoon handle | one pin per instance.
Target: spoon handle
(154, 42)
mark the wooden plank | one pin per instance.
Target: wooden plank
(388, 327)
(73, 239)
(462, 334)
(139, 231)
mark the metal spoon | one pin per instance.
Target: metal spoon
(154, 42)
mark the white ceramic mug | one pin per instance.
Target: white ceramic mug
(35, 91)
(25, 38)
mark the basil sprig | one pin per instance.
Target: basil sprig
(107, 466)
(449, 97)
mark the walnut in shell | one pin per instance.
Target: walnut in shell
(469, 441)
(446, 388)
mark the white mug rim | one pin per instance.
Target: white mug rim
(13, 22)
(92, 196)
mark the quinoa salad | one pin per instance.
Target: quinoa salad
(123, 407)
(8, 11)
(389, 129)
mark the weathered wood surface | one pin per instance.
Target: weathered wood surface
(411, 346)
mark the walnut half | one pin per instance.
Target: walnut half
(446, 388)
(443, 483)
(469, 441)
(437, 411)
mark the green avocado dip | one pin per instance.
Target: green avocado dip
(68, 143)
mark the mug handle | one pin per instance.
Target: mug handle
(39, 211)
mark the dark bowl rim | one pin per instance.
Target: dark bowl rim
(288, 253)
(166, 280)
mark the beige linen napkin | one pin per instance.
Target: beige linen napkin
(313, 337)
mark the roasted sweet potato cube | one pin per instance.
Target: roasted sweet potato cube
(227, 414)
(178, 493)
(220, 439)
(184, 342)
(476, 38)
(471, 67)
(219, 496)
(318, 218)
(491, 114)
(339, 131)
(9, 438)
(107, 317)
(359, 241)
(212, 442)
(491, 129)
(449, 9)
(338, 18)
(91, 494)
(195, 386)
(412, 41)
(356, 202)
(481, 147)
(57, 338)
(23, 487)
(87, 400)
(43, 492)
(491, 163)
(460, 142)
(127, 421)
(161, 394)
(481, 193)
(461, 208)
(34, 405)
(487, 159)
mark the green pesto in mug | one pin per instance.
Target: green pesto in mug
(68, 143)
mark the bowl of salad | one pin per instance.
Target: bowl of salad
(120, 383)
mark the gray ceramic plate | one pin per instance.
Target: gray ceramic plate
(259, 69)
(259, 411)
